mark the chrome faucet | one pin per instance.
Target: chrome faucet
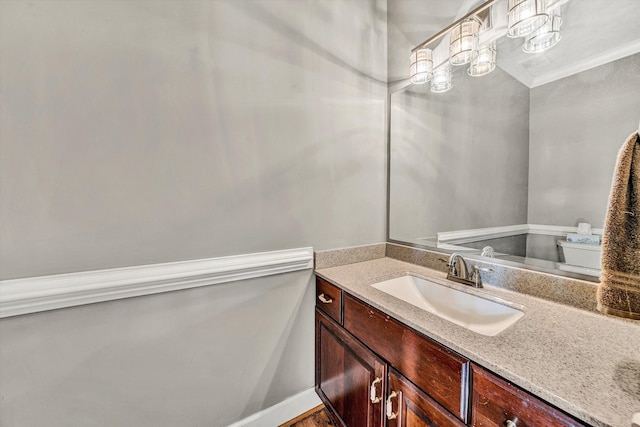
(459, 272)
(457, 267)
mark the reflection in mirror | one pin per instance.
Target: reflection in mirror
(520, 160)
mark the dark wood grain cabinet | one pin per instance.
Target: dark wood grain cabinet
(407, 405)
(372, 370)
(350, 378)
(329, 299)
(438, 371)
(496, 403)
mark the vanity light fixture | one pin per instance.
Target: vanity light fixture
(538, 21)
(463, 42)
(421, 69)
(525, 16)
(546, 36)
(485, 62)
(441, 81)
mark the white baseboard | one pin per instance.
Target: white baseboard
(34, 294)
(282, 412)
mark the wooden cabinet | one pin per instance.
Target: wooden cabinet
(438, 371)
(408, 406)
(329, 299)
(372, 370)
(350, 379)
(496, 402)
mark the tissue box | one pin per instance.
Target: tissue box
(589, 239)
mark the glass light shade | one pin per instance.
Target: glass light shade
(485, 62)
(421, 68)
(463, 43)
(546, 36)
(441, 81)
(525, 16)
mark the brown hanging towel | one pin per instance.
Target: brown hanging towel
(619, 289)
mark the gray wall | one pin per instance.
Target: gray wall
(202, 357)
(451, 152)
(138, 132)
(398, 45)
(410, 22)
(577, 125)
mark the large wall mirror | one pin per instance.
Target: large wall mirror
(514, 164)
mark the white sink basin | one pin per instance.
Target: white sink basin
(470, 311)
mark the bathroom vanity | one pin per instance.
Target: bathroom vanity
(383, 362)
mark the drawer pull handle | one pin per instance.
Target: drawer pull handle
(510, 423)
(374, 392)
(324, 300)
(390, 414)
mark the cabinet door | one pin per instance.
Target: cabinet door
(350, 379)
(408, 406)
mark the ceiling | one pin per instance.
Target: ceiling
(594, 32)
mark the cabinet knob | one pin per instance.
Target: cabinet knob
(322, 299)
(390, 414)
(374, 392)
(510, 423)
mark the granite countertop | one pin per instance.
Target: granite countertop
(585, 363)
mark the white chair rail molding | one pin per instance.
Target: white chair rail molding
(35, 294)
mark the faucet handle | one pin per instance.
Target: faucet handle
(475, 275)
(450, 266)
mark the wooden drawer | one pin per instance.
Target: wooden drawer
(495, 402)
(441, 373)
(329, 299)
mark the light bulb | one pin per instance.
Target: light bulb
(525, 16)
(546, 36)
(463, 43)
(421, 68)
(485, 62)
(441, 81)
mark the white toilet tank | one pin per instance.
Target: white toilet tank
(581, 254)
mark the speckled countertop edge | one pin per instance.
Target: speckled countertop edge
(582, 362)
(350, 255)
